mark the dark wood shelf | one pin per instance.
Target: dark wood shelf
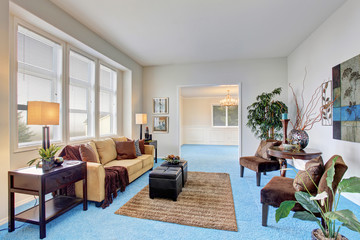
(54, 208)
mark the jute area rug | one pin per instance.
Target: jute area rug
(205, 201)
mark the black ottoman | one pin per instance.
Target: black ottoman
(184, 167)
(165, 182)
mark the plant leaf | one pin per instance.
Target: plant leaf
(304, 199)
(350, 185)
(331, 173)
(306, 216)
(284, 210)
(347, 217)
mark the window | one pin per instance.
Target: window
(39, 71)
(81, 96)
(224, 116)
(108, 79)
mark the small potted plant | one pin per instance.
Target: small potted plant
(47, 158)
(172, 159)
(329, 214)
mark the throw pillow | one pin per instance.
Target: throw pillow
(264, 146)
(142, 146)
(93, 146)
(137, 148)
(314, 169)
(87, 153)
(125, 150)
(106, 149)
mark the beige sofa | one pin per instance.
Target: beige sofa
(105, 151)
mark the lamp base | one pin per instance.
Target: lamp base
(46, 137)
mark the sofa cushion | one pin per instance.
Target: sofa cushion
(142, 146)
(125, 150)
(303, 180)
(87, 153)
(137, 148)
(132, 165)
(120, 139)
(106, 149)
(93, 146)
(146, 159)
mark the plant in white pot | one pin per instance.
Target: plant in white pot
(319, 204)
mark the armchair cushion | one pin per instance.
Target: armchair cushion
(314, 169)
(264, 146)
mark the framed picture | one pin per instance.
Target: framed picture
(161, 105)
(161, 124)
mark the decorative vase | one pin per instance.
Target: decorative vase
(299, 137)
(317, 234)
(48, 164)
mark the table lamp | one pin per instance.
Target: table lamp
(141, 118)
(43, 113)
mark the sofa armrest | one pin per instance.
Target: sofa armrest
(95, 182)
(150, 149)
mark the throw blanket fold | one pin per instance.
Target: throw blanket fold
(115, 178)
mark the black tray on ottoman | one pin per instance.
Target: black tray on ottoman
(184, 167)
(165, 182)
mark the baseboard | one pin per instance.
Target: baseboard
(354, 197)
(17, 204)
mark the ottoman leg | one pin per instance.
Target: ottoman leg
(258, 176)
(241, 171)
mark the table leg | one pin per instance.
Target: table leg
(42, 220)
(85, 205)
(156, 155)
(283, 166)
(11, 223)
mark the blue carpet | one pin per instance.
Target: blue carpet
(97, 223)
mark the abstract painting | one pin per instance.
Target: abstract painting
(346, 93)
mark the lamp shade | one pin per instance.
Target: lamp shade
(141, 118)
(43, 113)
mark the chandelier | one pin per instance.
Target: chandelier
(228, 100)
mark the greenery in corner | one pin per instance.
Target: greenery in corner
(45, 154)
(265, 114)
(24, 132)
(330, 214)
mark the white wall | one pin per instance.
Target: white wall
(255, 76)
(197, 124)
(53, 15)
(334, 42)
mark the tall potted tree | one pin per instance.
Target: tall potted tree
(265, 114)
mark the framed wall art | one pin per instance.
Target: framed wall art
(161, 105)
(326, 97)
(161, 124)
(346, 92)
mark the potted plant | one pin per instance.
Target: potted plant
(172, 159)
(47, 158)
(330, 215)
(265, 114)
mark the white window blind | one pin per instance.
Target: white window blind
(108, 98)
(39, 69)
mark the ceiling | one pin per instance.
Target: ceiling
(210, 91)
(159, 32)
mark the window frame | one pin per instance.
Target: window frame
(115, 113)
(14, 125)
(226, 117)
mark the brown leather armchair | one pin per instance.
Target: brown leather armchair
(261, 162)
(280, 189)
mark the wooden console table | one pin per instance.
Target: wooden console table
(154, 143)
(35, 181)
(305, 154)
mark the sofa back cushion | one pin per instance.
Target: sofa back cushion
(120, 139)
(125, 150)
(87, 153)
(106, 149)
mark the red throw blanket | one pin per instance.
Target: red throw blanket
(115, 177)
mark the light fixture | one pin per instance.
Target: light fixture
(141, 118)
(228, 100)
(43, 113)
